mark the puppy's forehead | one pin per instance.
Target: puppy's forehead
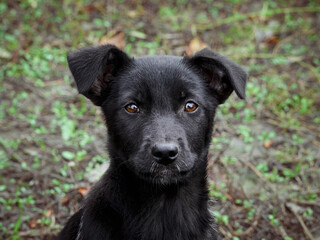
(159, 67)
(161, 75)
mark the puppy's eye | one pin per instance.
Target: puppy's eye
(132, 108)
(190, 106)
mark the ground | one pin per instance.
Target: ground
(265, 155)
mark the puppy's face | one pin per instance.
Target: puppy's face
(159, 110)
(159, 114)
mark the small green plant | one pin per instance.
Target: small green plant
(296, 140)
(215, 191)
(220, 218)
(4, 160)
(36, 163)
(273, 219)
(289, 173)
(263, 167)
(266, 136)
(229, 160)
(218, 143)
(308, 213)
(245, 132)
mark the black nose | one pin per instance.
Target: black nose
(165, 153)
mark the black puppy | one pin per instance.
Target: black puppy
(159, 113)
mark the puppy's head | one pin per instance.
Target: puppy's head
(159, 110)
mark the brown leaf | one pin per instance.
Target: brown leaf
(89, 8)
(115, 38)
(83, 191)
(268, 143)
(65, 200)
(33, 223)
(195, 45)
(49, 213)
(272, 40)
(137, 12)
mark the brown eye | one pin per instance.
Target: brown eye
(190, 107)
(132, 108)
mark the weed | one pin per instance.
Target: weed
(245, 133)
(266, 136)
(220, 218)
(216, 192)
(273, 219)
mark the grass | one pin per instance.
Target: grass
(264, 160)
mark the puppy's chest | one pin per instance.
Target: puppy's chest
(166, 219)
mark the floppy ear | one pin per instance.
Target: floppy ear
(94, 67)
(222, 74)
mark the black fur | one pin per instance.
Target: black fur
(156, 186)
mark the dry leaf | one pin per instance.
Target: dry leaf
(135, 13)
(49, 213)
(268, 143)
(33, 223)
(116, 39)
(272, 40)
(89, 8)
(83, 191)
(65, 200)
(195, 45)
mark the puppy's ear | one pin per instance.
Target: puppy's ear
(222, 74)
(94, 67)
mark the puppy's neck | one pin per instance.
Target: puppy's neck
(170, 208)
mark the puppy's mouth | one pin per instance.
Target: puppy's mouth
(164, 174)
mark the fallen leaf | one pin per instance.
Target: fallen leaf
(89, 8)
(49, 213)
(136, 12)
(65, 200)
(294, 207)
(138, 34)
(267, 144)
(5, 54)
(33, 223)
(194, 46)
(83, 191)
(272, 40)
(116, 39)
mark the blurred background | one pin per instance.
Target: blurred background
(264, 161)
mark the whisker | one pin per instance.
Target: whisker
(177, 166)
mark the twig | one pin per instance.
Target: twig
(288, 57)
(54, 175)
(54, 82)
(303, 225)
(312, 69)
(253, 168)
(267, 13)
(249, 230)
(285, 40)
(289, 38)
(11, 154)
(277, 123)
(283, 232)
(259, 174)
(305, 202)
(226, 234)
